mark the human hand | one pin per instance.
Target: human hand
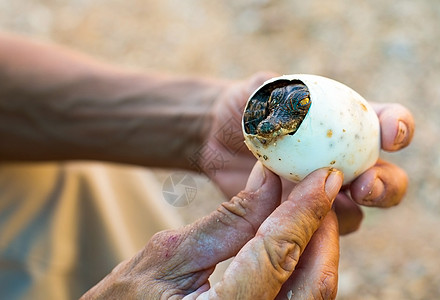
(280, 249)
(227, 160)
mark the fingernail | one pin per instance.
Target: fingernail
(333, 183)
(376, 190)
(256, 178)
(402, 132)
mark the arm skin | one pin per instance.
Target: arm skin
(56, 104)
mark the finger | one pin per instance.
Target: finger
(383, 185)
(267, 261)
(316, 275)
(348, 212)
(397, 125)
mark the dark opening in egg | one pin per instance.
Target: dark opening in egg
(276, 109)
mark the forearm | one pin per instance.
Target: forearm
(59, 105)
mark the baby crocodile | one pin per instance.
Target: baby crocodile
(281, 114)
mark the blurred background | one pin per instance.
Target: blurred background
(386, 50)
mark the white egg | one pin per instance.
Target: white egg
(340, 130)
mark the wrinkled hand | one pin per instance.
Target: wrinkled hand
(228, 161)
(267, 239)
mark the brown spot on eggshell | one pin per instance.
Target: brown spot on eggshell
(333, 162)
(265, 157)
(295, 177)
(364, 107)
(329, 133)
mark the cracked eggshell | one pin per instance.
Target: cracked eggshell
(340, 130)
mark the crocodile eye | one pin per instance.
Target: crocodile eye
(304, 102)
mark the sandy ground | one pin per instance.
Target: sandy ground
(386, 50)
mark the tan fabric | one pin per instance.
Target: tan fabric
(65, 226)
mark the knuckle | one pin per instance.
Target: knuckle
(238, 208)
(283, 255)
(164, 244)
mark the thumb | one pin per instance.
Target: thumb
(180, 261)
(221, 234)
